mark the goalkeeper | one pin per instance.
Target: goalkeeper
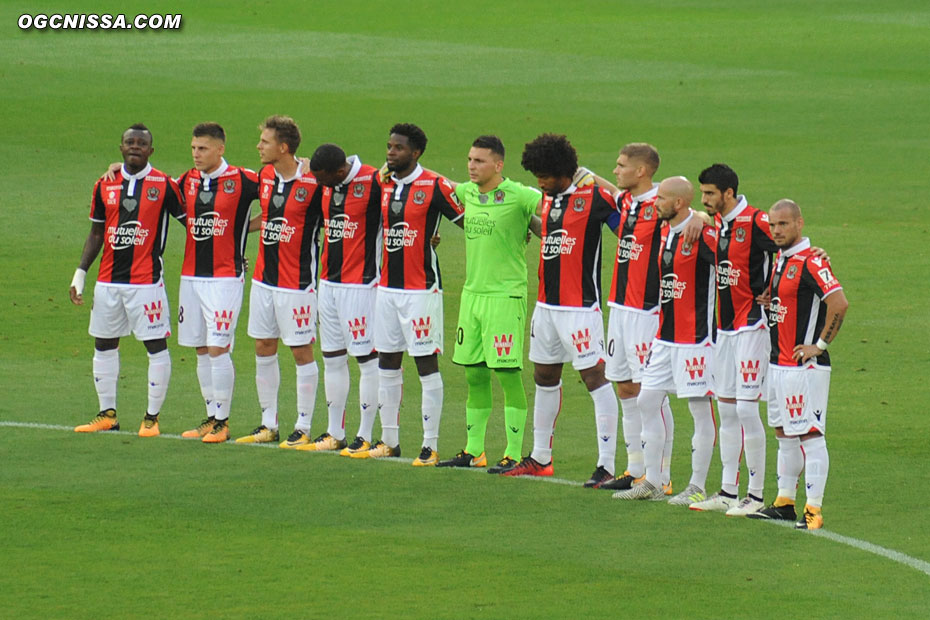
(492, 314)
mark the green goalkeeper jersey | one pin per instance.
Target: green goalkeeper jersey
(496, 224)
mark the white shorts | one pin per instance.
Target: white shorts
(741, 362)
(347, 316)
(570, 335)
(120, 309)
(797, 400)
(410, 321)
(208, 311)
(629, 338)
(282, 313)
(686, 370)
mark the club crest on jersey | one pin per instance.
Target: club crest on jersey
(358, 190)
(503, 344)
(153, 311)
(582, 339)
(578, 205)
(206, 197)
(421, 327)
(499, 196)
(419, 197)
(223, 319)
(152, 194)
(649, 212)
(686, 248)
(302, 315)
(740, 235)
(301, 194)
(358, 327)
(792, 271)
(795, 405)
(229, 186)
(695, 367)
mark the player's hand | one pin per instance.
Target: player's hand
(764, 298)
(384, 174)
(583, 177)
(110, 174)
(304, 165)
(435, 240)
(804, 352)
(692, 230)
(245, 265)
(820, 253)
(76, 292)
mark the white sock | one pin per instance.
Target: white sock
(224, 378)
(159, 376)
(205, 377)
(605, 419)
(790, 464)
(431, 408)
(367, 397)
(702, 443)
(753, 444)
(633, 436)
(106, 374)
(390, 393)
(308, 376)
(816, 468)
(267, 382)
(669, 420)
(336, 385)
(650, 404)
(731, 445)
(546, 407)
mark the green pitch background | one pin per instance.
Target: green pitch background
(827, 103)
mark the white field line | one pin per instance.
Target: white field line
(862, 545)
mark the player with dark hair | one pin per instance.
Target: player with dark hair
(283, 299)
(408, 313)
(492, 314)
(681, 358)
(351, 206)
(129, 219)
(743, 268)
(567, 325)
(807, 302)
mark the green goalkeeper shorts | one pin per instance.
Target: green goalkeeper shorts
(490, 331)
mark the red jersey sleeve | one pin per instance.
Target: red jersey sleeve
(97, 209)
(762, 235)
(818, 272)
(173, 202)
(708, 248)
(446, 200)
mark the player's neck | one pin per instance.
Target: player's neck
(728, 207)
(641, 188)
(134, 170)
(680, 217)
(286, 167)
(491, 183)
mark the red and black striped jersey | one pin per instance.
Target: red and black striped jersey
(217, 207)
(744, 266)
(410, 212)
(635, 281)
(570, 249)
(686, 292)
(800, 283)
(352, 227)
(290, 230)
(134, 210)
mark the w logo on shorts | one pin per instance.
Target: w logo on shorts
(503, 344)
(695, 367)
(358, 327)
(223, 319)
(302, 315)
(153, 311)
(795, 405)
(750, 372)
(582, 339)
(421, 327)
(642, 352)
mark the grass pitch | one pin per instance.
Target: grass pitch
(820, 102)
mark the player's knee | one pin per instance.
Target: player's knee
(427, 364)
(156, 346)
